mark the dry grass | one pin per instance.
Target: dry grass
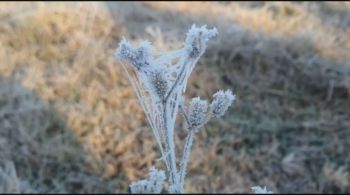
(69, 121)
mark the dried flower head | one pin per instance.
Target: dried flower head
(197, 112)
(157, 83)
(197, 38)
(222, 100)
(138, 57)
(153, 185)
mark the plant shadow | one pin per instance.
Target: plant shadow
(43, 149)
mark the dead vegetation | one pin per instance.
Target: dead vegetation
(69, 121)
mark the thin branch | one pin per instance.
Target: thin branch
(184, 114)
(185, 158)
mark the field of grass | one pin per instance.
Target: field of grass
(70, 121)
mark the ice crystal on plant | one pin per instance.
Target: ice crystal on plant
(197, 38)
(158, 84)
(197, 111)
(153, 185)
(222, 100)
(259, 190)
(139, 57)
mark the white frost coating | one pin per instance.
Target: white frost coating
(185, 159)
(152, 185)
(160, 85)
(138, 57)
(222, 100)
(157, 84)
(259, 190)
(196, 112)
(197, 38)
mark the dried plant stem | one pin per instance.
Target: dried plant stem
(171, 158)
(170, 144)
(185, 158)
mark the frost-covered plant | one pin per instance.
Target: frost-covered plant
(159, 80)
(153, 185)
(222, 100)
(260, 190)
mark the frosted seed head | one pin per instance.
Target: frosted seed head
(197, 112)
(157, 177)
(197, 38)
(222, 100)
(138, 187)
(259, 190)
(154, 184)
(172, 189)
(138, 57)
(158, 84)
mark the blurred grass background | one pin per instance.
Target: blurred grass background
(70, 122)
